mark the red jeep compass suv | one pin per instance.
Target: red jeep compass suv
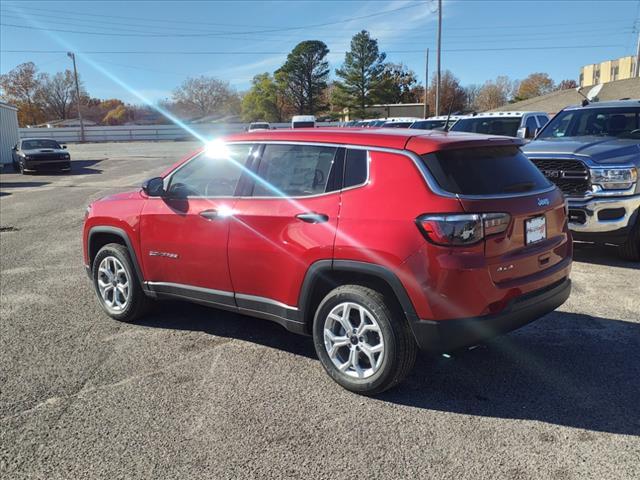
(376, 242)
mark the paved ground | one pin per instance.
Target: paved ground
(198, 393)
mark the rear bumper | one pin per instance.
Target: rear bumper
(448, 335)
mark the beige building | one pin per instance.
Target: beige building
(608, 71)
(388, 110)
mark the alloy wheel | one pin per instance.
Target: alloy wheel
(113, 284)
(353, 340)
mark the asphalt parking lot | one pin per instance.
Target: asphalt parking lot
(192, 392)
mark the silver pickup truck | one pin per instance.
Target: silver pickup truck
(592, 152)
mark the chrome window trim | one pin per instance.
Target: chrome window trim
(426, 175)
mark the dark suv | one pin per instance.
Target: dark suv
(374, 241)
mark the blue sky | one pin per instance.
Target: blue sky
(481, 39)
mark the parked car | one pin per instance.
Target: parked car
(399, 123)
(510, 124)
(375, 243)
(436, 123)
(40, 154)
(303, 121)
(258, 126)
(592, 153)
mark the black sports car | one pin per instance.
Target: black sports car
(36, 154)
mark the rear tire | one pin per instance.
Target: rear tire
(363, 340)
(117, 285)
(630, 250)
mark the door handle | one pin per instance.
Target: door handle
(312, 217)
(210, 214)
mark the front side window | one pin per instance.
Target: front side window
(210, 175)
(294, 170)
(605, 122)
(507, 126)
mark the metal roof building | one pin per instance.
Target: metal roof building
(9, 133)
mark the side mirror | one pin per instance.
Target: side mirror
(64, 147)
(14, 148)
(154, 187)
(522, 132)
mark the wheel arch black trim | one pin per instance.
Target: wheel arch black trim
(318, 268)
(125, 237)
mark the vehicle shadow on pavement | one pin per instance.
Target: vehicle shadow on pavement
(187, 316)
(566, 369)
(22, 184)
(601, 255)
(82, 167)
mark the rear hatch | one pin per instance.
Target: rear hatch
(495, 180)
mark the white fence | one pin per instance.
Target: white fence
(142, 132)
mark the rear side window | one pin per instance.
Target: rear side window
(355, 169)
(507, 126)
(484, 171)
(542, 120)
(294, 170)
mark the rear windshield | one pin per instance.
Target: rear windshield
(489, 125)
(304, 124)
(484, 171)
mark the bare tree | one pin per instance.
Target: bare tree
(567, 84)
(471, 92)
(494, 94)
(203, 96)
(452, 94)
(56, 94)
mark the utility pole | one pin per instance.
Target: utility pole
(426, 86)
(72, 56)
(438, 57)
(636, 71)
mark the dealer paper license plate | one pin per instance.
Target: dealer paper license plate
(535, 229)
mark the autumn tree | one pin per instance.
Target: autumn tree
(567, 85)
(203, 96)
(534, 85)
(118, 116)
(264, 101)
(303, 77)
(20, 87)
(361, 74)
(494, 93)
(452, 94)
(56, 93)
(396, 84)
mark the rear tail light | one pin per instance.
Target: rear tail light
(462, 229)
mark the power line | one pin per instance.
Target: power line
(213, 52)
(224, 36)
(279, 29)
(174, 21)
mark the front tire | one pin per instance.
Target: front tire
(116, 284)
(630, 250)
(363, 340)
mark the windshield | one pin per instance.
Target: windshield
(256, 126)
(397, 125)
(488, 125)
(428, 124)
(304, 124)
(606, 122)
(35, 144)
